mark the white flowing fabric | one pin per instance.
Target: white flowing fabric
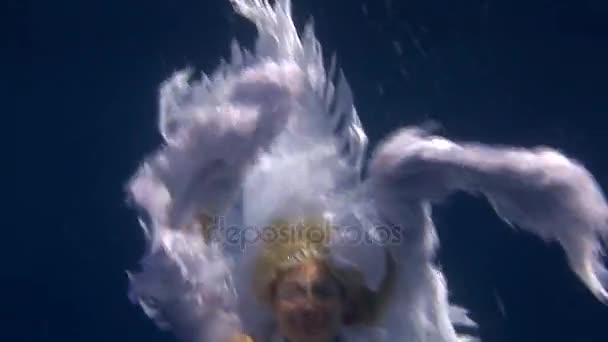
(271, 135)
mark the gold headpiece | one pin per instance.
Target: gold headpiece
(286, 245)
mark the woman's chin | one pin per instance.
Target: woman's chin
(314, 327)
(313, 333)
(313, 338)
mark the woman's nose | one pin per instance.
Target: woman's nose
(309, 303)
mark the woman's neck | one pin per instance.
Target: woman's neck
(335, 339)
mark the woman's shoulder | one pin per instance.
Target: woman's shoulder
(361, 334)
(240, 337)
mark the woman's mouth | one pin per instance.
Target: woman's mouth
(311, 323)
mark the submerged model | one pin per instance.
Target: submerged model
(261, 227)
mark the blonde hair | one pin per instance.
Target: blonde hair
(308, 240)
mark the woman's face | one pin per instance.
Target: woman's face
(308, 304)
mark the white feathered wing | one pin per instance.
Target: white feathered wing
(538, 190)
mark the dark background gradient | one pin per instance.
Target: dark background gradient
(87, 74)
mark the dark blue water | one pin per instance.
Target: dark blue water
(513, 72)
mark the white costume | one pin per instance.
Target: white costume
(271, 135)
